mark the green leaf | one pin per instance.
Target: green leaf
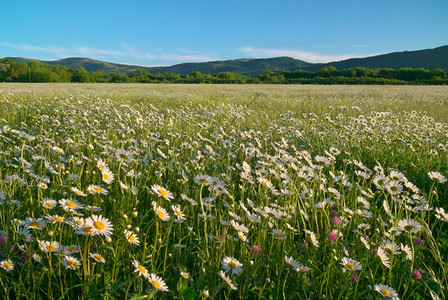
(189, 294)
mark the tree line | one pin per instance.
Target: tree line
(12, 71)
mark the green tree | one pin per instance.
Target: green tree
(82, 75)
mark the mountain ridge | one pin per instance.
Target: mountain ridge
(426, 58)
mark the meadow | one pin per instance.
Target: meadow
(133, 191)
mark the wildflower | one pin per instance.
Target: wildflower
(354, 278)
(101, 164)
(383, 257)
(255, 250)
(70, 205)
(303, 246)
(418, 241)
(70, 262)
(32, 223)
(437, 177)
(49, 246)
(141, 270)
(162, 192)
(394, 187)
(99, 225)
(97, 257)
(278, 234)
(227, 280)
(239, 227)
(162, 214)
(107, 176)
(409, 226)
(158, 283)
(417, 274)
(131, 237)
(336, 220)
(78, 192)
(72, 248)
(231, 264)
(178, 212)
(386, 291)
(7, 265)
(351, 264)
(203, 180)
(49, 203)
(185, 275)
(406, 250)
(331, 236)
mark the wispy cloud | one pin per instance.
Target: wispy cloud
(126, 53)
(302, 55)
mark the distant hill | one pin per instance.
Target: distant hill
(87, 63)
(249, 67)
(428, 59)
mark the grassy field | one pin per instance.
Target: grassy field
(223, 191)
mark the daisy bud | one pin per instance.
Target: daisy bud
(50, 233)
(417, 274)
(170, 255)
(203, 270)
(135, 214)
(268, 280)
(128, 226)
(108, 239)
(125, 216)
(137, 229)
(206, 293)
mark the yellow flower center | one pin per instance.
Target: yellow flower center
(385, 292)
(71, 204)
(48, 204)
(98, 257)
(59, 219)
(131, 238)
(160, 214)
(178, 213)
(245, 168)
(264, 182)
(7, 265)
(142, 269)
(51, 248)
(79, 222)
(72, 249)
(99, 225)
(155, 284)
(350, 266)
(278, 235)
(302, 270)
(34, 224)
(232, 265)
(162, 192)
(71, 262)
(106, 176)
(88, 229)
(184, 275)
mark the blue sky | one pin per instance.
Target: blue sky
(156, 33)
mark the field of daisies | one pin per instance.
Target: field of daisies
(223, 192)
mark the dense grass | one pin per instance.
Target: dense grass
(284, 180)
